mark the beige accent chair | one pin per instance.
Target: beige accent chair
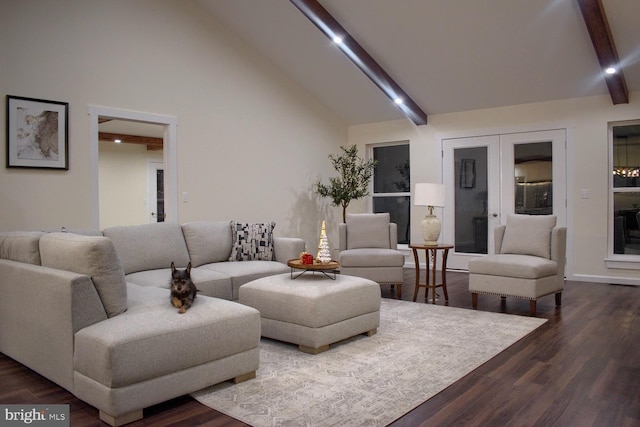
(528, 263)
(368, 248)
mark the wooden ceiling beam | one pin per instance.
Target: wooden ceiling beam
(152, 143)
(322, 19)
(598, 27)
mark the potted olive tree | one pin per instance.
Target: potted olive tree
(352, 182)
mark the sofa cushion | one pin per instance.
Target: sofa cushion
(207, 241)
(528, 235)
(368, 231)
(149, 246)
(152, 340)
(243, 272)
(371, 258)
(252, 242)
(208, 282)
(94, 256)
(21, 246)
(516, 266)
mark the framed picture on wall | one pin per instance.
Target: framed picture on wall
(37, 133)
(468, 173)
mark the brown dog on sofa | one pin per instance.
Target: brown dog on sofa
(183, 290)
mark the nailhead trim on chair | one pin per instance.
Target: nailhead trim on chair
(515, 296)
(510, 295)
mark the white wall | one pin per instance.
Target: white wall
(249, 142)
(588, 151)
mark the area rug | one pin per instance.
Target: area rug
(419, 350)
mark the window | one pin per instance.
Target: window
(392, 186)
(625, 188)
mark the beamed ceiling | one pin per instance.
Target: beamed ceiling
(446, 55)
(442, 55)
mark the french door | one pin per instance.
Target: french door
(488, 177)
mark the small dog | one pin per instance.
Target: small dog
(183, 290)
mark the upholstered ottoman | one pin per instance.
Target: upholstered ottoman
(312, 310)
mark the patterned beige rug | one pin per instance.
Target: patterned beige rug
(419, 350)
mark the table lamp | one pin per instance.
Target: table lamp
(430, 195)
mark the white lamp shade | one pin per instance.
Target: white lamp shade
(429, 194)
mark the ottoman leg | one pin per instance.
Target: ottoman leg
(122, 419)
(311, 350)
(245, 377)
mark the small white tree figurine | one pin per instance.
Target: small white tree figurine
(324, 254)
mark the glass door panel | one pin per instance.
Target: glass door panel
(471, 200)
(533, 178)
(535, 165)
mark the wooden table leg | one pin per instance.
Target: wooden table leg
(431, 254)
(428, 274)
(433, 277)
(444, 274)
(415, 259)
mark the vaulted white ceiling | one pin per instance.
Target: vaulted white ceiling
(448, 55)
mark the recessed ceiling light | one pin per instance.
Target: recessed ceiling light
(337, 39)
(117, 141)
(610, 70)
(398, 101)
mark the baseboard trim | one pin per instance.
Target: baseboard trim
(605, 279)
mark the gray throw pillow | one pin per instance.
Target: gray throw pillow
(528, 235)
(252, 242)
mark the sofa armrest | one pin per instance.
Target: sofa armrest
(286, 248)
(342, 237)
(393, 235)
(498, 236)
(559, 249)
(41, 309)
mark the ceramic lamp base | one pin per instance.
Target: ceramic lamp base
(430, 230)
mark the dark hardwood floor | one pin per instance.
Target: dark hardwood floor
(582, 368)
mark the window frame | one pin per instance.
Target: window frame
(613, 260)
(369, 150)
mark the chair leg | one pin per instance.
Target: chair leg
(474, 300)
(558, 298)
(532, 307)
(398, 291)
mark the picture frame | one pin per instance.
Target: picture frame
(468, 173)
(37, 133)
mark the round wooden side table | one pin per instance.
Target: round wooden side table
(431, 252)
(324, 268)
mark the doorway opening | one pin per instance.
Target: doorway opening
(125, 150)
(167, 127)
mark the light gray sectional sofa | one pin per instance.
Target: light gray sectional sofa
(92, 312)
(146, 252)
